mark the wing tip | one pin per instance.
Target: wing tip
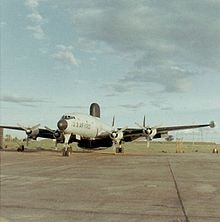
(212, 124)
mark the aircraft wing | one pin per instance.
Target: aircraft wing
(183, 127)
(12, 127)
(131, 134)
(44, 133)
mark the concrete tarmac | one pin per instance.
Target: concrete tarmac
(44, 186)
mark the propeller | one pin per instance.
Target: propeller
(116, 136)
(148, 131)
(57, 134)
(117, 133)
(31, 132)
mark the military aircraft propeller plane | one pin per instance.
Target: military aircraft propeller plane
(91, 133)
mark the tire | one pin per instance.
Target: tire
(119, 150)
(67, 153)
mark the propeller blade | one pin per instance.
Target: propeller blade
(22, 127)
(28, 129)
(47, 128)
(122, 129)
(144, 128)
(35, 127)
(113, 121)
(56, 133)
(144, 122)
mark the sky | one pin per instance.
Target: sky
(134, 58)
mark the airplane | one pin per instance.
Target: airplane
(89, 132)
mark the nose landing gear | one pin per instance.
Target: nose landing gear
(66, 149)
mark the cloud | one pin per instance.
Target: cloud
(120, 86)
(133, 106)
(32, 4)
(166, 78)
(73, 107)
(151, 81)
(37, 31)
(24, 101)
(35, 18)
(160, 104)
(157, 35)
(3, 23)
(65, 54)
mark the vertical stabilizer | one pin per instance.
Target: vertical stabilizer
(95, 110)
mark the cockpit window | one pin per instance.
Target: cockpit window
(68, 117)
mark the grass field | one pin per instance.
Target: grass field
(135, 146)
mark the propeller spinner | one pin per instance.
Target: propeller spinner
(31, 132)
(148, 131)
(116, 135)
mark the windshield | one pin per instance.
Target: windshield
(68, 117)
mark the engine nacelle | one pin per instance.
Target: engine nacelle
(150, 132)
(95, 110)
(116, 135)
(57, 134)
(32, 133)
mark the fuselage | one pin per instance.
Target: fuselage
(84, 126)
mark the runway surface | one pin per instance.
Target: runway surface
(44, 186)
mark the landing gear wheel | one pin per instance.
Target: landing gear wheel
(21, 149)
(67, 152)
(119, 150)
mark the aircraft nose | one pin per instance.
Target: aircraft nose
(62, 124)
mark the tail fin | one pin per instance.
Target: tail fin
(95, 110)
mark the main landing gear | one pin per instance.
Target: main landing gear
(119, 150)
(117, 147)
(67, 151)
(21, 148)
